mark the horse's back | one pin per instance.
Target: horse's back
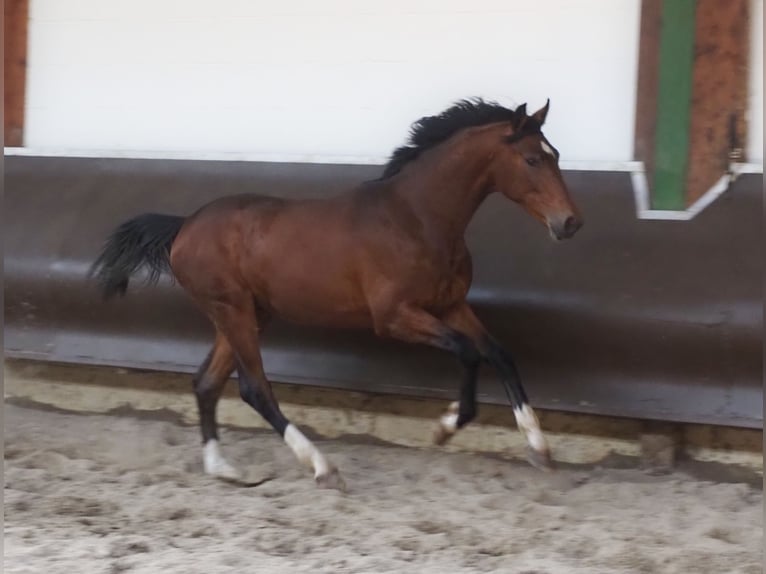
(297, 257)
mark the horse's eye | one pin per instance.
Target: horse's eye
(532, 160)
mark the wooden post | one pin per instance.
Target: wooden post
(692, 95)
(15, 70)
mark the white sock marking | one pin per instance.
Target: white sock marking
(529, 425)
(305, 451)
(214, 462)
(547, 149)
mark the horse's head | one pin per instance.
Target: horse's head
(526, 170)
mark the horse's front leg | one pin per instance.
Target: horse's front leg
(462, 319)
(415, 325)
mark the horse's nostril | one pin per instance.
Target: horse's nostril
(571, 225)
(564, 228)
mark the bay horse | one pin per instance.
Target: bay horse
(388, 255)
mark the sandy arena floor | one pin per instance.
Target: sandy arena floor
(109, 494)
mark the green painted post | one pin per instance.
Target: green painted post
(674, 100)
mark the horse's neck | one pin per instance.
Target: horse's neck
(447, 187)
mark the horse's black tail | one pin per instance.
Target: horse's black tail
(143, 241)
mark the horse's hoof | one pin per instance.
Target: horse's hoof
(222, 470)
(441, 436)
(540, 460)
(331, 479)
(227, 474)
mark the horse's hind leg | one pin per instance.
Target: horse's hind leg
(238, 322)
(208, 386)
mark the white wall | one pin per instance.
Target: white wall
(322, 81)
(755, 112)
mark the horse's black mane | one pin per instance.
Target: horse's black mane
(430, 131)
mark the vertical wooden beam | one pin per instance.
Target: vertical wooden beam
(646, 98)
(15, 71)
(692, 95)
(719, 92)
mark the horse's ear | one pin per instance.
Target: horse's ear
(540, 114)
(520, 116)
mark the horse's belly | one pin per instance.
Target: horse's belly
(323, 297)
(328, 312)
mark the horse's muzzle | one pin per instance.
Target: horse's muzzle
(565, 228)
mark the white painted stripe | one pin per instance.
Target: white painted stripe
(640, 190)
(665, 214)
(710, 195)
(595, 165)
(643, 200)
(571, 165)
(192, 156)
(738, 168)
